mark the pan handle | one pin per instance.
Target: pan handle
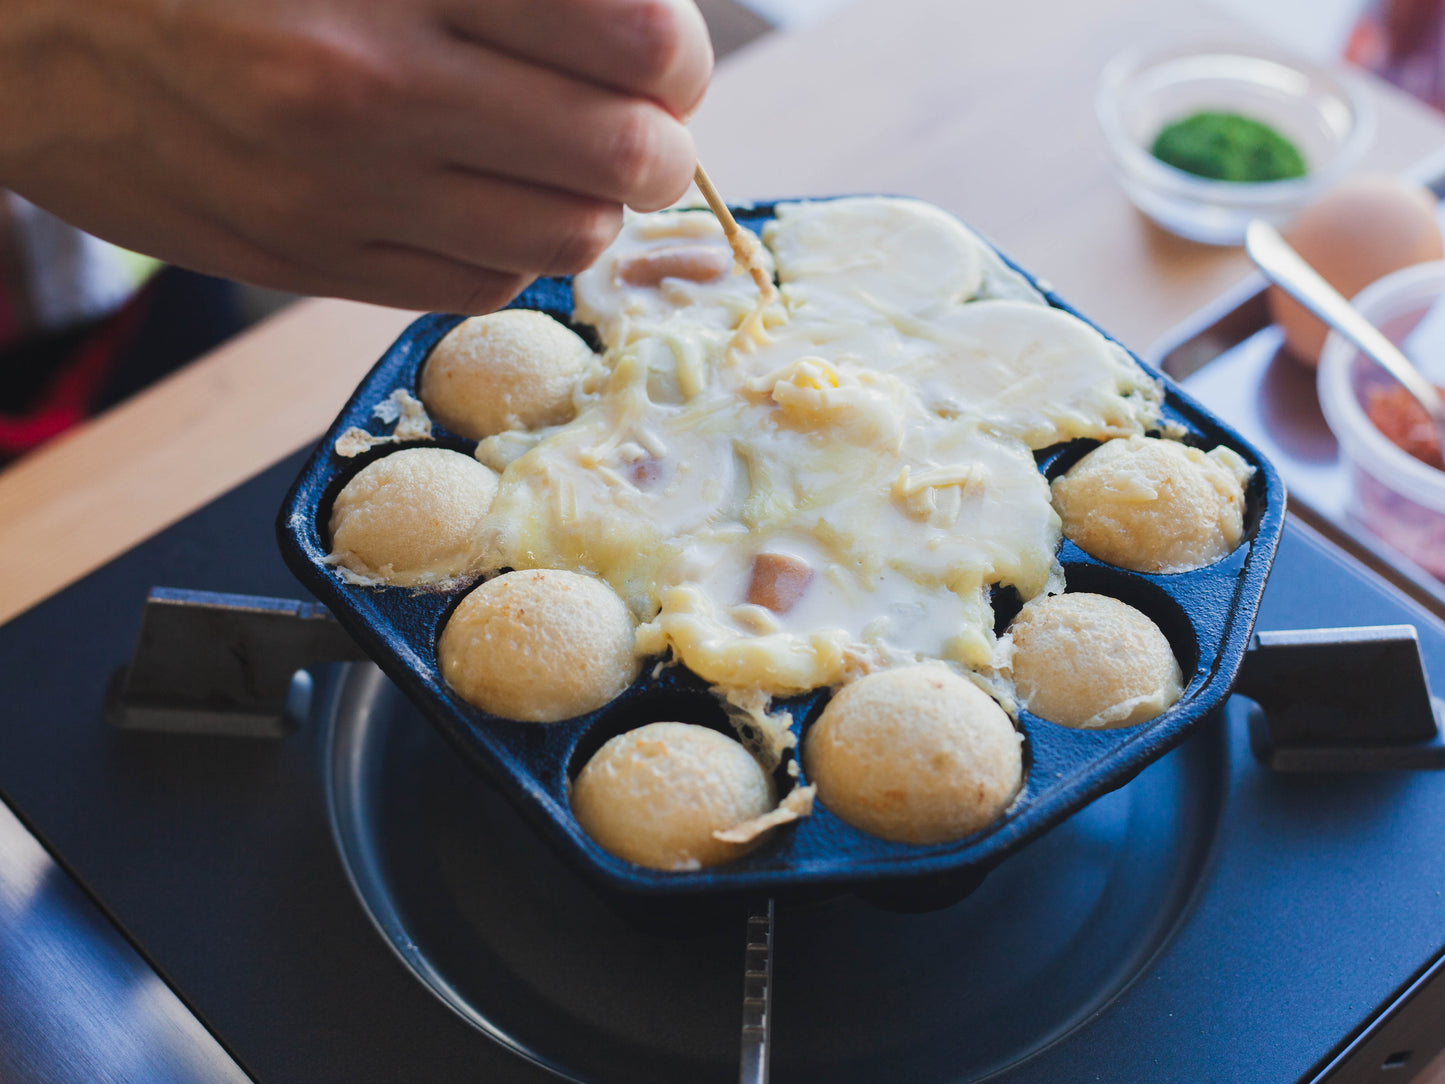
(233, 665)
(1341, 700)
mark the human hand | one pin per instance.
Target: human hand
(428, 154)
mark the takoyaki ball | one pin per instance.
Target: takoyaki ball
(916, 754)
(539, 645)
(1154, 505)
(656, 795)
(410, 518)
(514, 369)
(1091, 661)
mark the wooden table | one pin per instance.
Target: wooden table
(982, 107)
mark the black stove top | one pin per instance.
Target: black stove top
(351, 903)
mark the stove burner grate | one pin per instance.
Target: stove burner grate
(518, 944)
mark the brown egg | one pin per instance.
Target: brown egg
(1356, 233)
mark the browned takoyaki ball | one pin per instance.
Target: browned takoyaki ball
(917, 754)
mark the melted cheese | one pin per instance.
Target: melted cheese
(1036, 373)
(401, 407)
(837, 254)
(677, 310)
(875, 425)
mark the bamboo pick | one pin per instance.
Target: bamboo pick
(744, 244)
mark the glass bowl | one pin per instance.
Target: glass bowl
(1321, 112)
(1393, 495)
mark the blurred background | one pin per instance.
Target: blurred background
(1317, 28)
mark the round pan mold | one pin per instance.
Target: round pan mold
(1207, 614)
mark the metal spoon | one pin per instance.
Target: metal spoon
(1286, 268)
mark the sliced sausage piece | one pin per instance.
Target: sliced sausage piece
(779, 581)
(696, 263)
(646, 473)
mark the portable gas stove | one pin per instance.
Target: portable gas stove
(349, 902)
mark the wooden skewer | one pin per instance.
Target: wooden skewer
(744, 245)
(715, 201)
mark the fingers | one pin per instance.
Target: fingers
(366, 112)
(380, 273)
(186, 232)
(444, 259)
(657, 49)
(507, 226)
(320, 216)
(498, 115)
(411, 279)
(504, 225)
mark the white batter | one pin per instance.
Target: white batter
(834, 490)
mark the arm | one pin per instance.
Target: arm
(430, 154)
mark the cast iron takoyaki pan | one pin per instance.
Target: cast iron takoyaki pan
(1208, 616)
